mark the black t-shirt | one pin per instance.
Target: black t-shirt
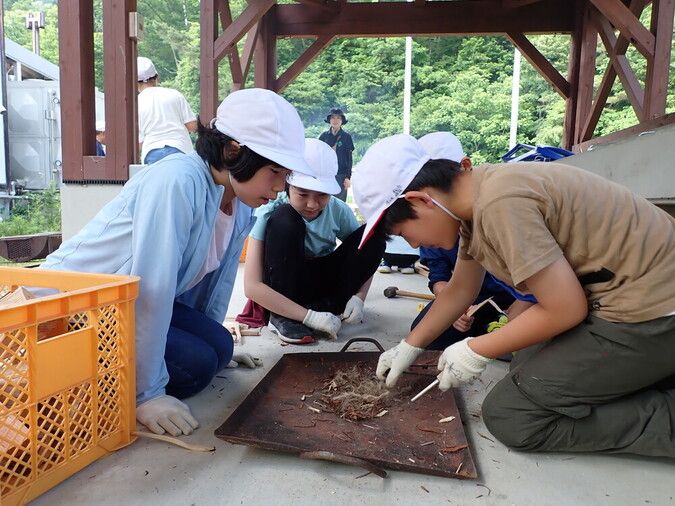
(343, 145)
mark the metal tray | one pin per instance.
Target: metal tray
(408, 438)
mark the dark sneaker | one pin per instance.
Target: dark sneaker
(291, 331)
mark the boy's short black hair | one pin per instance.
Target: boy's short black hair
(438, 174)
(242, 164)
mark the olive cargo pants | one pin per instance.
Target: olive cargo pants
(599, 387)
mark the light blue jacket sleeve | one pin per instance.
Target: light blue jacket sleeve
(162, 219)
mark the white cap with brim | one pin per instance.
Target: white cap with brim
(383, 174)
(443, 145)
(267, 124)
(100, 125)
(322, 158)
(145, 69)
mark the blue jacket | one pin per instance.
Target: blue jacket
(159, 228)
(441, 263)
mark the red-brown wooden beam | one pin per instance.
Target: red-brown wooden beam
(541, 64)
(605, 88)
(462, 17)
(302, 62)
(233, 53)
(247, 53)
(255, 10)
(622, 67)
(329, 5)
(208, 66)
(514, 4)
(569, 134)
(656, 82)
(265, 54)
(76, 69)
(622, 18)
(586, 75)
(121, 111)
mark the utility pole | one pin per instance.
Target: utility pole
(35, 21)
(515, 98)
(4, 127)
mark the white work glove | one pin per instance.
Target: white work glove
(459, 364)
(324, 321)
(245, 359)
(353, 310)
(396, 360)
(166, 413)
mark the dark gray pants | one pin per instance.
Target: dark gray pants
(599, 387)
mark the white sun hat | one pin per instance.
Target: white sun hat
(267, 124)
(443, 145)
(383, 174)
(145, 69)
(322, 158)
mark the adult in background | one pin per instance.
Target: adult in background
(100, 138)
(341, 141)
(165, 119)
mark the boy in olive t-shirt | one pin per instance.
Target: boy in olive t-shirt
(595, 362)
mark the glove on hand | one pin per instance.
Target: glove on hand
(245, 359)
(459, 364)
(325, 322)
(353, 312)
(166, 413)
(396, 360)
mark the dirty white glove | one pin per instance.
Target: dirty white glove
(396, 360)
(353, 312)
(245, 359)
(166, 413)
(459, 364)
(324, 321)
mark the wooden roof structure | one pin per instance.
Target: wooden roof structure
(264, 21)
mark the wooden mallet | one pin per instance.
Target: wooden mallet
(393, 291)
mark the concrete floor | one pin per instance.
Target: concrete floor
(154, 473)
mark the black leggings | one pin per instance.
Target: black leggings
(321, 283)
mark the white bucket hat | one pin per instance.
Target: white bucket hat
(145, 69)
(383, 174)
(267, 124)
(443, 145)
(322, 158)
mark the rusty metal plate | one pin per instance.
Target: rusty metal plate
(408, 438)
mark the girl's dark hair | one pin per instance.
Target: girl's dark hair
(438, 174)
(242, 163)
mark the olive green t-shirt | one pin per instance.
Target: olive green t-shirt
(528, 215)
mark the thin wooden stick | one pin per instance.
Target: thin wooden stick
(174, 441)
(432, 385)
(473, 310)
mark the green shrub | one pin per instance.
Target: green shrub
(39, 212)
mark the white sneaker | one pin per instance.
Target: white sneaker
(407, 270)
(384, 268)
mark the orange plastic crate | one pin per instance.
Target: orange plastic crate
(67, 378)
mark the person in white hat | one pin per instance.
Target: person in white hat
(165, 119)
(293, 268)
(594, 365)
(180, 225)
(441, 262)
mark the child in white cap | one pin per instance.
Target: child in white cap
(594, 368)
(180, 224)
(293, 268)
(165, 119)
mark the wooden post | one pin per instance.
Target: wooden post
(121, 106)
(76, 69)
(569, 132)
(586, 75)
(656, 82)
(208, 66)
(265, 55)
